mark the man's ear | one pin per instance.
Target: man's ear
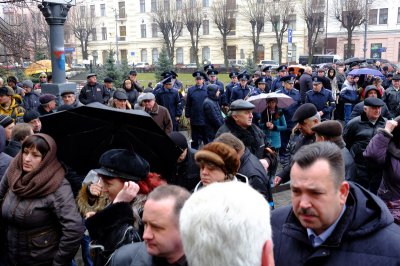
(267, 257)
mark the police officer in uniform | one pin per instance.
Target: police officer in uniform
(289, 90)
(228, 88)
(322, 99)
(277, 83)
(266, 72)
(194, 109)
(242, 90)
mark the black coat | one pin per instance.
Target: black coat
(357, 134)
(305, 85)
(94, 93)
(187, 173)
(365, 235)
(13, 148)
(253, 137)
(251, 167)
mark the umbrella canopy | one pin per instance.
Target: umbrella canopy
(297, 68)
(366, 71)
(83, 134)
(351, 60)
(41, 66)
(260, 101)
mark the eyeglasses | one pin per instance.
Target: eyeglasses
(43, 77)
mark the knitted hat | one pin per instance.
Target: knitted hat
(5, 120)
(178, 139)
(221, 155)
(30, 115)
(28, 83)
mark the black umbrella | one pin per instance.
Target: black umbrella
(351, 60)
(84, 133)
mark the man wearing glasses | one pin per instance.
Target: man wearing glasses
(42, 79)
(322, 99)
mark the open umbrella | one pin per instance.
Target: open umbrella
(41, 66)
(351, 60)
(84, 133)
(297, 68)
(260, 101)
(366, 71)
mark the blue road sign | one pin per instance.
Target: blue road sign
(290, 35)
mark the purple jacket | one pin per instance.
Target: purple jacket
(382, 151)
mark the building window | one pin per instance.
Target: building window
(124, 55)
(231, 52)
(94, 34)
(376, 50)
(105, 56)
(192, 55)
(178, 4)
(206, 3)
(292, 53)
(292, 22)
(166, 5)
(82, 11)
(104, 33)
(179, 55)
(373, 17)
(275, 53)
(154, 55)
(206, 27)
(103, 10)
(260, 52)
(121, 9)
(383, 16)
(242, 56)
(143, 31)
(92, 11)
(205, 53)
(143, 55)
(233, 26)
(142, 6)
(153, 5)
(154, 30)
(122, 33)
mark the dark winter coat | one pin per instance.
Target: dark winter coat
(251, 167)
(5, 159)
(253, 137)
(213, 116)
(30, 101)
(383, 151)
(42, 111)
(357, 134)
(169, 98)
(136, 255)
(187, 173)
(194, 105)
(228, 93)
(94, 93)
(392, 99)
(292, 148)
(276, 84)
(323, 100)
(41, 230)
(161, 116)
(289, 111)
(13, 148)
(305, 85)
(240, 93)
(359, 108)
(132, 94)
(365, 235)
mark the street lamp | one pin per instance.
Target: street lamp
(116, 33)
(366, 28)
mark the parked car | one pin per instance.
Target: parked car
(272, 63)
(143, 65)
(78, 66)
(236, 62)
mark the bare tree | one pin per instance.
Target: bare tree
(313, 14)
(83, 25)
(192, 19)
(278, 14)
(351, 14)
(168, 19)
(253, 10)
(223, 12)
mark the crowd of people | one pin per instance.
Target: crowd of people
(337, 143)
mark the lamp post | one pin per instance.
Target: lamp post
(116, 33)
(365, 29)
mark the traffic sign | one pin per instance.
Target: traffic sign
(290, 35)
(65, 2)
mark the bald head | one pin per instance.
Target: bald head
(308, 70)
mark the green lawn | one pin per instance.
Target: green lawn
(186, 79)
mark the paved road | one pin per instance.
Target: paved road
(281, 198)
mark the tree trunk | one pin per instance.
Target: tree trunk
(253, 32)
(225, 49)
(349, 42)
